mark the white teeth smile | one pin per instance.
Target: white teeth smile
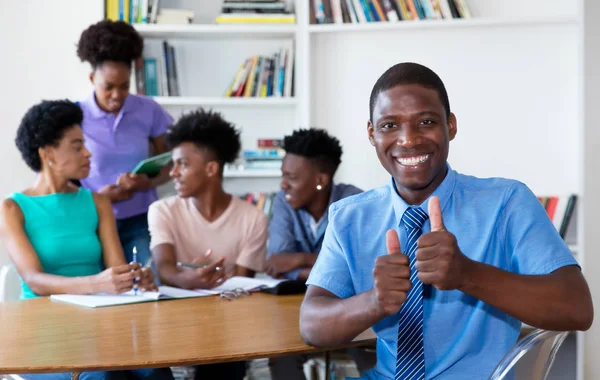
(412, 161)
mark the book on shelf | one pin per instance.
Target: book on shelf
(145, 12)
(365, 11)
(157, 76)
(255, 12)
(263, 201)
(265, 76)
(560, 210)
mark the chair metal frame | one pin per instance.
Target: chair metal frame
(518, 351)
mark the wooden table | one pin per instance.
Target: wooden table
(41, 336)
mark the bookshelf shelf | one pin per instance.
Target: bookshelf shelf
(208, 31)
(223, 101)
(440, 24)
(252, 173)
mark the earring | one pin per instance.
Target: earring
(49, 163)
(319, 187)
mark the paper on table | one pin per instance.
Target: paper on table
(101, 300)
(245, 283)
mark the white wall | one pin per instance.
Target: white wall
(513, 89)
(38, 62)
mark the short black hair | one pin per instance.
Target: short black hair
(207, 129)
(409, 73)
(110, 41)
(45, 124)
(316, 145)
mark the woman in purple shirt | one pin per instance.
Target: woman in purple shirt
(121, 129)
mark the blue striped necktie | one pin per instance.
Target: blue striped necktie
(410, 364)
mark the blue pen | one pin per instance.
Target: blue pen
(135, 287)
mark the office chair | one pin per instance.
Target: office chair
(9, 284)
(531, 358)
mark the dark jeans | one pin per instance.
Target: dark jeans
(133, 232)
(228, 371)
(138, 374)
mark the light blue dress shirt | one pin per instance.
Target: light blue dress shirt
(496, 221)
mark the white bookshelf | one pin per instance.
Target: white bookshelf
(225, 101)
(196, 31)
(443, 24)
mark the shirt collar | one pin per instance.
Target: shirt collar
(97, 113)
(443, 191)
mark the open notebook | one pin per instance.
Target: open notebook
(164, 292)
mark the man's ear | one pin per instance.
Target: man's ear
(323, 179)
(91, 77)
(370, 130)
(452, 130)
(213, 168)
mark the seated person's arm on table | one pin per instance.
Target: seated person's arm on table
(27, 262)
(283, 258)
(206, 277)
(329, 321)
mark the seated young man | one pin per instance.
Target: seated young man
(299, 216)
(299, 220)
(443, 266)
(203, 224)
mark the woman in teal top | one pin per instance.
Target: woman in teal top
(61, 228)
(61, 237)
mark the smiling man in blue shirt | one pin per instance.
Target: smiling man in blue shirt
(441, 265)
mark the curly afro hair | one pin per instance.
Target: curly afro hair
(207, 129)
(45, 124)
(315, 144)
(110, 41)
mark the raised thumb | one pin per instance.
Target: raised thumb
(435, 215)
(392, 243)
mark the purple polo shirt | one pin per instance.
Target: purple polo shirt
(119, 142)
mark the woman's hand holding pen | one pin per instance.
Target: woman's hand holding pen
(117, 279)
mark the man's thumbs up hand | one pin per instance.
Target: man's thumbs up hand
(439, 260)
(391, 277)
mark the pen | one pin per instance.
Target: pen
(135, 287)
(193, 266)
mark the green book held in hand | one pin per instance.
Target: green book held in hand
(151, 166)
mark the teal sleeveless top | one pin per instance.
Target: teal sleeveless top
(62, 229)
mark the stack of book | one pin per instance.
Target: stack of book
(264, 76)
(363, 11)
(255, 12)
(158, 76)
(267, 157)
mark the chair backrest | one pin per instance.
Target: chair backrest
(531, 358)
(10, 286)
